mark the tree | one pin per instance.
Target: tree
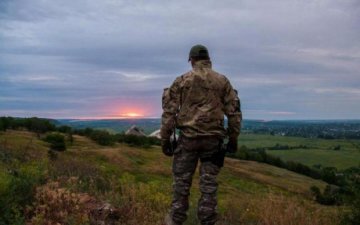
(57, 141)
(40, 126)
(353, 216)
(64, 129)
(2, 127)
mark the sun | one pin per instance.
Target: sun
(132, 115)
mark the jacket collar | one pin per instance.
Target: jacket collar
(202, 64)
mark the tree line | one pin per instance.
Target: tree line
(41, 126)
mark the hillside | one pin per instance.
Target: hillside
(138, 182)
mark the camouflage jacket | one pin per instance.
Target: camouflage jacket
(196, 103)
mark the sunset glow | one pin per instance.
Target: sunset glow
(132, 115)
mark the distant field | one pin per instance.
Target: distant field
(319, 151)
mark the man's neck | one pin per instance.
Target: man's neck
(202, 64)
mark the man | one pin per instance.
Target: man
(196, 104)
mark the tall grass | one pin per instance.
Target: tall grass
(74, 175)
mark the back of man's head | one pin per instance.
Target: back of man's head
(199, 52)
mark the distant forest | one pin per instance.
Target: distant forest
(326, 129)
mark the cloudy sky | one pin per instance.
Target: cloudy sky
(289, 59)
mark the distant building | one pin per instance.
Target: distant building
(157, 135)
(134, 130)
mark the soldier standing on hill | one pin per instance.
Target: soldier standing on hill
(196, 104)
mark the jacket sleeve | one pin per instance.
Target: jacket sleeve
(232, 109)
(170, 106)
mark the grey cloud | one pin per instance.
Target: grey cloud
(81, 54)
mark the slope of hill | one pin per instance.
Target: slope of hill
(138, 183)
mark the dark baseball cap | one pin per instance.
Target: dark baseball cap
(199, 51)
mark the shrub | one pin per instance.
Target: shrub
(102, 137)
(55, 205)
(141, 141)
(2, 125)
(330, 196)
(57, 141)
(64, 129)
(17, 191)
(352, 217)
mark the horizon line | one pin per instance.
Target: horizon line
(159, 117)
(139, 118)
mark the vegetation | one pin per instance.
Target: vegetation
(352, 217)
(57, 141)
(103, 137)
(336, 129)
(34, 124)
(134, 140)
(323, 129)
(308, 151)
(19, 175)
(133, 181)
(342, 181)
(90, 170)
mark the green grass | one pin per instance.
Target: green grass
(327, 158)
(319, 151)
(142, 179)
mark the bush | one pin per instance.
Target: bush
(64, 129)
(57, 141)
(102, 137)
(38, 125)
(140, 141)
(55, 205)
(2, 125)
(330, 196)
(353, 216)
(17, 191)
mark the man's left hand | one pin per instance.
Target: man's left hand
(232, 145)
(166, 148)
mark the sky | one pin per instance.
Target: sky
(288, 59)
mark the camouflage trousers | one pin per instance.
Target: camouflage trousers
(186, 156)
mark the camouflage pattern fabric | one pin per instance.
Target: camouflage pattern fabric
(186, 157)
(196, 103)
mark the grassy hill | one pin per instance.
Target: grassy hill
(138, 182)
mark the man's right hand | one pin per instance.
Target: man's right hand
(232, 145)
(166, 148)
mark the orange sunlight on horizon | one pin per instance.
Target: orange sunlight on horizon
(127, 115)
(132, 115)
(131, 112)
(126, 109)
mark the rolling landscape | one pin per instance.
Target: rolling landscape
(42, 185)
(314, 143)
(85, 86)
